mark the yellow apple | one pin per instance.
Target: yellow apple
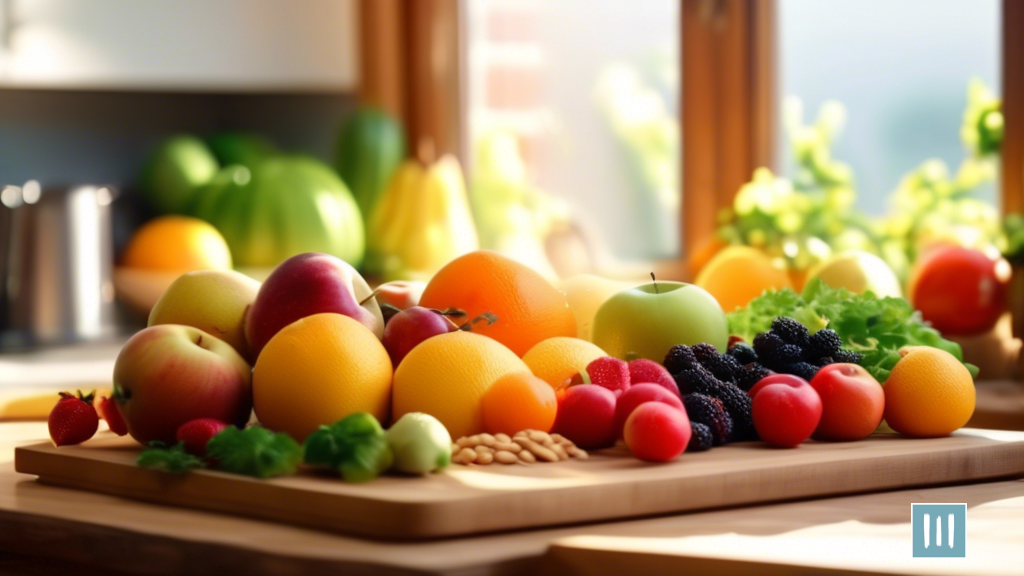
(214, 301)
(585, 293)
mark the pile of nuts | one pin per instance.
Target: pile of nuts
(527, 446)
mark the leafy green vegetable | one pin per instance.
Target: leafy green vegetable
(254, 451)
(168, 458)
(355, 446)
(874, 327)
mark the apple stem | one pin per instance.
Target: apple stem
(655, 281)
(367, 299)
(488, 317)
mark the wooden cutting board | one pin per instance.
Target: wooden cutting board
(469, 500)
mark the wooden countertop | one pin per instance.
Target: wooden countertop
(869, 533)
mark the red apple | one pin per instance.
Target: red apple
(852, 402)
(636, 395)
(960, 291)
(409, 327)
(167, 375)
(786, 409)
(307, 284)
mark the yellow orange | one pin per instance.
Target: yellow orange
(738, 274)
(447, 376)
(318, 370)
(528, 308)
(585, 293)
(177, 243)
(557, 359)
(519, 401)
(929, 393)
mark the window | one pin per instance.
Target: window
(586, 93)
(900, 69)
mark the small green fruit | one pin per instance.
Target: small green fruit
(420, 444)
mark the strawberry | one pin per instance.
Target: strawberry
(644, 371)
(107, 409)
(196, 433)
(73, 420)
(609, 372)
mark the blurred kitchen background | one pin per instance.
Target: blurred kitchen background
(142, 138)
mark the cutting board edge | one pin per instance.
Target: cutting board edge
(503, 511)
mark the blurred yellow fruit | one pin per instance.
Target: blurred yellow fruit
(738, 274)
(214, 301)
(585, 293)
(447, 376)
(318, 370)
(557, 359)
(858, 271)
(177, 243)
(929, 393)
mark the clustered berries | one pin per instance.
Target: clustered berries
(789, 348)
(707, 381)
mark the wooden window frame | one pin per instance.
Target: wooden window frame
(411, 65)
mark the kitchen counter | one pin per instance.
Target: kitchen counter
(50, 528)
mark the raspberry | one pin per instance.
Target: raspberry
(680, 358)
(750, 375)
(801, 369)
(701, 438)
(823, 343)
(743, 353)
(791, 331)
(709, 411)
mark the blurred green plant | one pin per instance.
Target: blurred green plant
(1013, 227)
(809, 217)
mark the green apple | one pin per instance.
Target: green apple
(646, 321)
(176, 170)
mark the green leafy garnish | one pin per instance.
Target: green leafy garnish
(876, 328)
(254, 451)
(168, 458)
(355, 446)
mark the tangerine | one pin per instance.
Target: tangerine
(928, 393)
(558, 359)
(519, 401)
(528, 308)
(177, 243)
(738, 274)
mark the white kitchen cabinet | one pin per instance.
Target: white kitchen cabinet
(181, 45)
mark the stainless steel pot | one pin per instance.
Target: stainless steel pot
(57, 264)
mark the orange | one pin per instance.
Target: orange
(557, 359)
(447, 375)
(738, 274)
(929, 393)
(529, 309)
(519, 401)
(705, 251)
(177, 243)
(318, 370)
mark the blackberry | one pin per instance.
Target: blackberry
(737, 405)
(743, 353)
(696, 380)
(750, 375)
(847, 356)
(723, 367)
(824, 343)
(680, 358)
(823, 361)
(701, 438)
(774, 352)
(801, 369)
(704, 409)
(791, 331)
(705, 353)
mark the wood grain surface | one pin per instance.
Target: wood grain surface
(469, 500)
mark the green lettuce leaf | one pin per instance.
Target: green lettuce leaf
(876, 328)
(254, 451)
